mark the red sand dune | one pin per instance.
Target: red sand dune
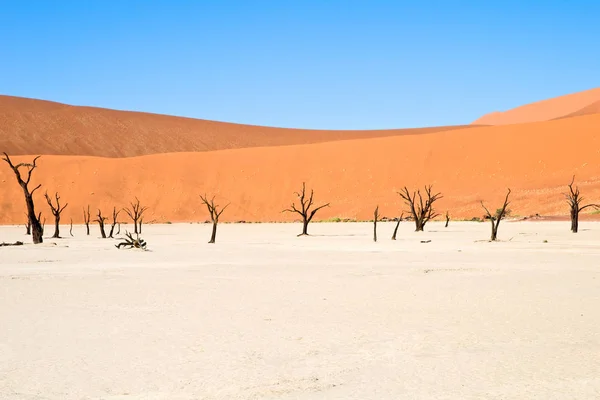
(576, 104)
(30, 126)
(536, 160)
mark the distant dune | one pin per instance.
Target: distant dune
(468, 165)
(30, 126)
(576, 104)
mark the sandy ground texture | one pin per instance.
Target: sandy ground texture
(263, 314)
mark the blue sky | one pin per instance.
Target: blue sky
(307, 64)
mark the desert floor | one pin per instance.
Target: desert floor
(263, 314)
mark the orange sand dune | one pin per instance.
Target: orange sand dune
(581, 103)
(30, 126)
(536, 160)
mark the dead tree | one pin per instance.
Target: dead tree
(375, 218)
(71, 228)
(56, 211)
(215, 213)
(305, 208)
(135, 212)
(447, 219)
(36, 226)
(397, 225)
(27, 226)
(130, 243)
(497, 216)
(421, 207)
(86, 219)
(574, 199)
(114, 223)
(100, 220)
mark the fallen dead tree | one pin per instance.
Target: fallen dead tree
(128, 242)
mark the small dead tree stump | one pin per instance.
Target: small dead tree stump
(71, 228)
(574, 199)
(447, 219)
(215, 213)
(37, 230)
(86, 219)
(497, 216)
(56, 211)
(375, 218)
(421, 207)
(397, 225)
(305, 208)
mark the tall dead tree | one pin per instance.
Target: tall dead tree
(87, 217)
(375, 218)
(135, 212)
(37, 230)
(56, 211)
(447, 219)
(215, 213)
(421, 207)
(397, 225)
(100, 220)
(497, 216)
(305, 208)
(114, 222)
(574, 199)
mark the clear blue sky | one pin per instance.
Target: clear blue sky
(338, 64)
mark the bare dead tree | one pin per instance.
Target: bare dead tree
(215, 213)
(574, 199)
(375, 218)
(27, 225)
(36, 226)
(421, 207)
(71, 228)
(397, 225)
(497, 216)
(86, 219)
(305, 208)
(130, 243)
(447, 219)
(114, 223)
(56, 211)
(135, 212)
(100, 220)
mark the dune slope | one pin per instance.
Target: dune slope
(467, 165)
(29, 126)
(575, 104)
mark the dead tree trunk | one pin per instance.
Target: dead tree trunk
(574, 199)
(114, 223)
(56, 211)
(100, 220)
(397, 225)
(71, 228)
(86, 219)
(135, 212)
(140, 225)
(497, 216)
(305, 208)
(118, 228)
(375, 218)
(27, 226)
(36, 227)
(215, 213)
(421, 209)
(447, 219)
